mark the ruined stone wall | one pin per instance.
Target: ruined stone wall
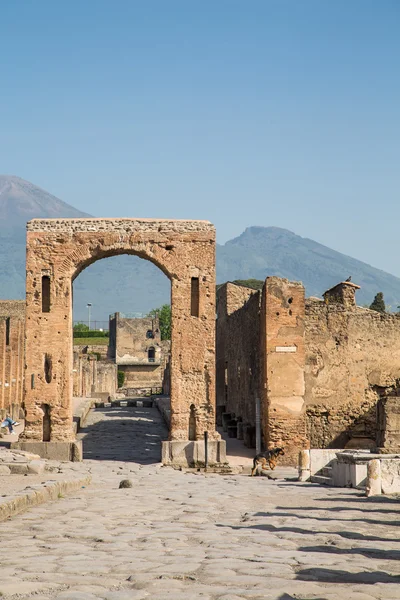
(237, 346)
(12, 330)
(323, 364)
(105, 378)
(352, 355)
(139, 352)
(134, 338)
(57, 251)
(142, 375)
(99, 350)
(91, 376)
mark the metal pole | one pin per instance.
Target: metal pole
(205, 449)
(258, 426)
(89, 308)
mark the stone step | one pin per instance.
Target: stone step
(325, 472)
(321, 480)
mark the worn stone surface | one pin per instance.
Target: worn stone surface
(189, 536)
(57, 251)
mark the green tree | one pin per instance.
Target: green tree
(121, 378)
(81, 327)
(378, 303)
(164, 316)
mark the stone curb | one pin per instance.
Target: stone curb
(81, 414)
(51, 490)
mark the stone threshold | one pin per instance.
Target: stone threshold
(39, 494)
(139, 402)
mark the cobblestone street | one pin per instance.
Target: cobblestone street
(191, 536)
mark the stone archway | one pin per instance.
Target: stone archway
(57, 251)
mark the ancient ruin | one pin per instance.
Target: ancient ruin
(12, 330)
(57, 251)
(138, 351)
(319, 366)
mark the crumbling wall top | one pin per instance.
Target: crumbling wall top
(93, 225)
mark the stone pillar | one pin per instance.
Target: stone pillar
(304, 465)
(48, 376)
(374, 480)
(192, 362)
(283, 366)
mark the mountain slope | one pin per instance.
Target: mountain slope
(21, 201)
(262, 251)
(129, 284)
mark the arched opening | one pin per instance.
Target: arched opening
(118, 365)
(185, 252)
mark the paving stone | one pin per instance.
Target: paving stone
(186, 535)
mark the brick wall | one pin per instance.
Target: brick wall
(12, 331)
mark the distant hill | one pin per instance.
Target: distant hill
(129, 284)
(264, 251)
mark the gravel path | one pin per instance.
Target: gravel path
(191, 536)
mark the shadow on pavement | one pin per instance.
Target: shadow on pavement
(296, 515)
(348, 535)
(333, 576)
(374, 553)
(126, 434)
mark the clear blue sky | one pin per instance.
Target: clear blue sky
(251, 112)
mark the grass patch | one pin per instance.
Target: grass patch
(92, 341)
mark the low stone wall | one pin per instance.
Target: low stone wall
(376, 473)
(164, 407)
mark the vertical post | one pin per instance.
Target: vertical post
(205, 449)
(258, 426)
(89, 306)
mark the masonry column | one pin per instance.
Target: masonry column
(193, 362)
(284, 362)
(48, 371)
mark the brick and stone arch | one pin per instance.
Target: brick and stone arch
(57, 251)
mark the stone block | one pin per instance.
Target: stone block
(374, 481)
(37, 467)
(4, 470)
(321, 458)
(191, 453)
(304, 465)
(63, 451)
(18, 468)
(390, 476)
